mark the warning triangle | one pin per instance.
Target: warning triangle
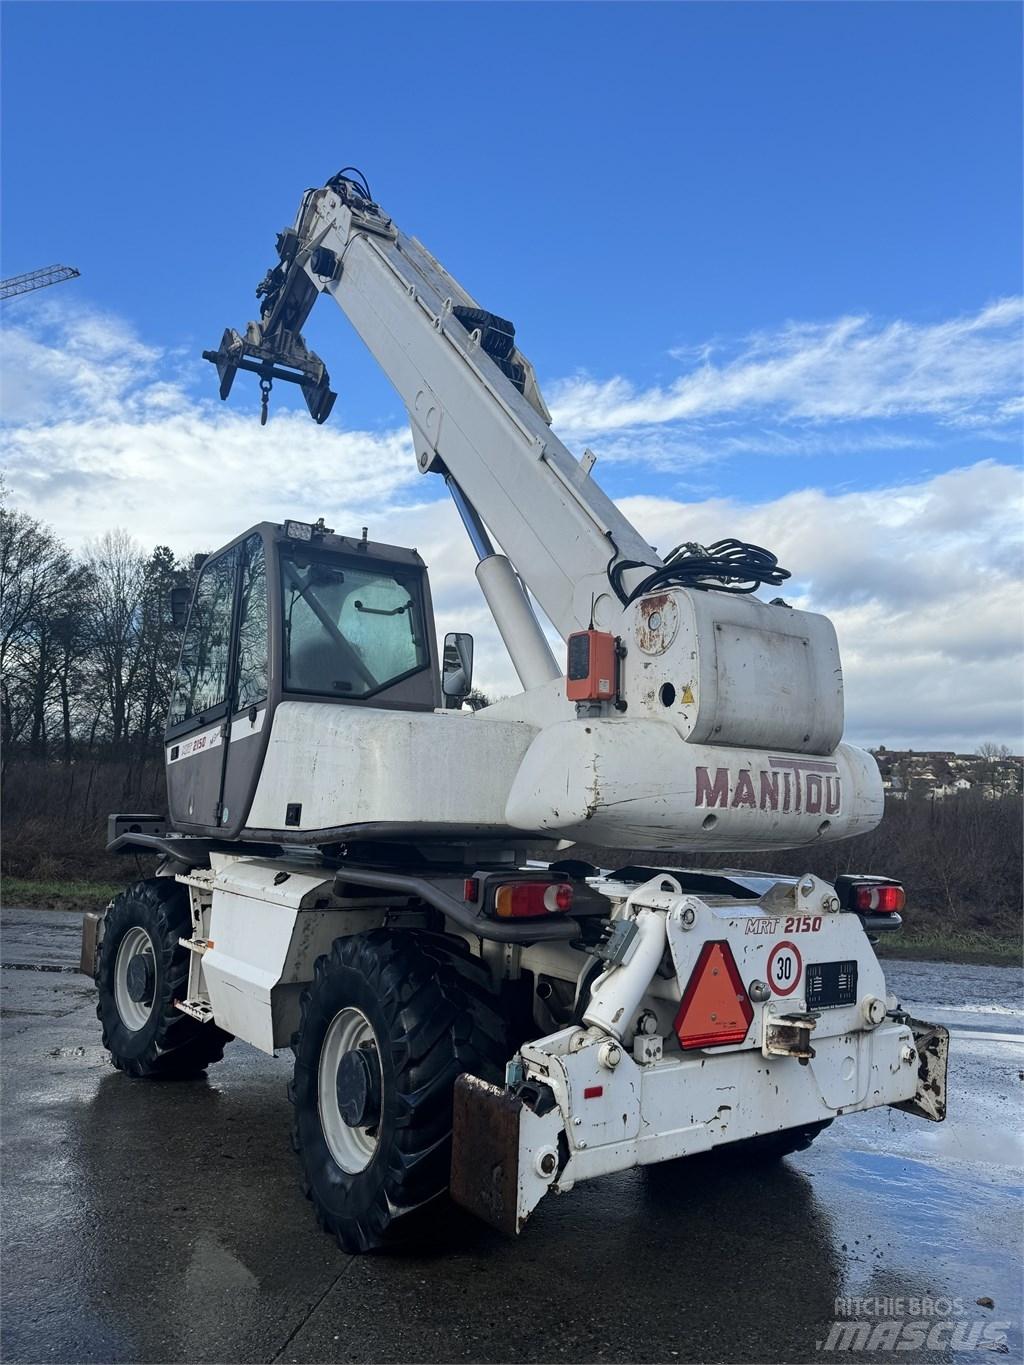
(715, 1007)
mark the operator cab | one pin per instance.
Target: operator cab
(288, 613)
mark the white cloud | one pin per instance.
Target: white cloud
(963, 372)
(923, 580)
(96, 435)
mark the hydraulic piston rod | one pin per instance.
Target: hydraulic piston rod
(513, 615)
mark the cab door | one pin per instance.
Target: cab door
(249, 718)
(197, 725)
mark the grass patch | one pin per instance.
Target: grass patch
(964, 945)
(58, 894)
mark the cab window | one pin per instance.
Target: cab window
(202, 680)
(252, 626)
(350, 630)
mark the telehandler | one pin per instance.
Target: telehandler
(348, 863)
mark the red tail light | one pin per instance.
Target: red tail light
(528, 900)
(879, 899)
(715, 1007)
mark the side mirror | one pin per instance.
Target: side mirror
(457, 668)
(178, 600)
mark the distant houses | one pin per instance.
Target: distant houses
(940, 775)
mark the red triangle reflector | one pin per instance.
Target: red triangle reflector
(715, 1007)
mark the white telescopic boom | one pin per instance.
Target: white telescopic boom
(468, 419)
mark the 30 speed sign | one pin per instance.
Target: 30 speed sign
(784, 967)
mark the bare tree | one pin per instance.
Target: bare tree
(992, 750)
(993, 770)
(158, 646)
(118, 573)
(37, 582)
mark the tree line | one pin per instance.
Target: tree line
(87, 645)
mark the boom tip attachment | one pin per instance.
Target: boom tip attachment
(286, 357)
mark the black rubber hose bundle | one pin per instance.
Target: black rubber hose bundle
(728, 565)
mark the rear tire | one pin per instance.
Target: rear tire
(391, 1019)
(141, 970)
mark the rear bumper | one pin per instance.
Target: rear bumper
(593, 1120)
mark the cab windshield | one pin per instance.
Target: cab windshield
(350, 630)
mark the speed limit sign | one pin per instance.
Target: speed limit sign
(784, 967)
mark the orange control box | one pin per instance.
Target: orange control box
(592, 666)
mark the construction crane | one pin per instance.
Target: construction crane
(348, 861)
(36, 279)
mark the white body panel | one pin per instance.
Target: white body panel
(358, 765)
(267, 925)
(628, 783)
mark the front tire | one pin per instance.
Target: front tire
(391, 1019)
(141, 970)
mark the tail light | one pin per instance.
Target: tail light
(715, 1007)
(879, 900)
(870, 895)
(529, 900)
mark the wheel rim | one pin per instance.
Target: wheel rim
(135, 987)
(350, 1045)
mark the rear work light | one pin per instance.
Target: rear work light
(884, 899)
(529, 900)
(715, 1007)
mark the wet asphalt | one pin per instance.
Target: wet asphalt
(162, 1221)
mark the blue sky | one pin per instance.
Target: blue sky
(758, 254)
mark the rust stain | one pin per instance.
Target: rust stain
(657, 623)
(649, 633)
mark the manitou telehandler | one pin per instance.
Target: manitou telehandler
(348, 861)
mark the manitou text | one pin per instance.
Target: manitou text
(787, 784)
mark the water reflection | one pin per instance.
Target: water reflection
(213, 1247)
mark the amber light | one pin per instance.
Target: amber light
(527, 900)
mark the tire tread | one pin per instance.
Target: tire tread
(442, 1020)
